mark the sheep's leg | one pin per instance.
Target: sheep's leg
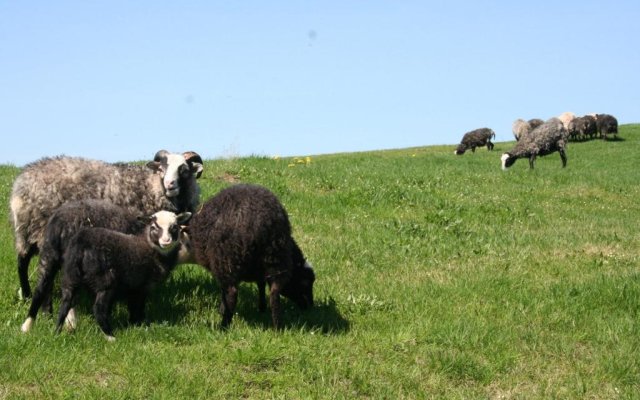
(40, 296)
(532, 159)
(228, 305)
(274, 302)
(68, 297)
(489, 146)
(23, 271)
(136, 303)
(102, 310)
(262, 300)
(563, 157)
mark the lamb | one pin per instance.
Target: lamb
(607, 124)
(243, 234)
(476, 138)
(63, 224)
(545, 139)
(167, 183)
(113, 264)
(520, 128)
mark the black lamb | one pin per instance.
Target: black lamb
(545, 139)
(243, 234)
(476, 138)
(113, 264)
(64, 223)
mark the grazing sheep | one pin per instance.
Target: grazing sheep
(606, 125)
(113, 264)
(535, 122)
(545, 139)
(167, 183)
(565, 118)
(476, 138)
(520, 128)
(243, 234)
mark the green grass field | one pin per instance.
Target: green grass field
(437, 277)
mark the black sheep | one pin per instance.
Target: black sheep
(476, 138)
(243, 234)
(545, 139)
(64, 223)
(113, 264)
(607, 124)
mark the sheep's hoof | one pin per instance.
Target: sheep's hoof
(110, 338)
(26, 326)
(70, 323)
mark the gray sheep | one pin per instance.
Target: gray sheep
(476, 138)
(243, 234)
(545, 139)
(167, 183)
(535, 122)
(582, 128)
(607, 125)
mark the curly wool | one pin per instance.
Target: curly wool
(243, 234)
(476, 138)
(545, 139)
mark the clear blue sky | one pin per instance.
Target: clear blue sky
(118, 80)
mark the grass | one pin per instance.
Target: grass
(437, 277)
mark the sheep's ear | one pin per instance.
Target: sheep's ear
(154, 165)
(183, 218)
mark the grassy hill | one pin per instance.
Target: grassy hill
(437, 276)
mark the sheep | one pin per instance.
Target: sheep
(476, 138)
(573, 130)
(166, 183)
(545, 139)
(243, 234)
(520, 128)
(607, 124)
(582, 127)
(565, 118)
(113, 264)
(535, 122)
(63, 224)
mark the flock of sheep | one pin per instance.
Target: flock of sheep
(536, 137)
(119, 229)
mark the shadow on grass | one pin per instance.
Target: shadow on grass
(186, 293)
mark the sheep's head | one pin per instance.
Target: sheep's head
(176, 169)
(507, 160)
(164, 230)
(460, 149)
(299, 289)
